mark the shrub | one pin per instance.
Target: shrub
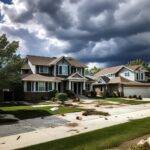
(135, 96)
(140, 97)
(130, 96)
(70, 94)
(62, 97)
(93, 94)
(53, 94)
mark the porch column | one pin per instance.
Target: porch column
(57, 86)
(81, 87)
(54, 70)
(70, 85)
(84, 85)
(25, 86)
(91, 87)
(34, 86)
(53, 85)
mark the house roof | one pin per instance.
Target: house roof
(25, 66)
(121, 80)
(77, 76)
(38, 77)
(110, 70)
(106, 79)
(137, 67)
(118, 80)
(39, 60)
(48, 61)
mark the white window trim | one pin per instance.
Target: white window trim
(43, 69)
(127, 74)
(62, 69)
(43, 86)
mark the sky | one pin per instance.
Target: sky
(97, 32)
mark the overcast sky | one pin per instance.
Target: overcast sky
(97, 32)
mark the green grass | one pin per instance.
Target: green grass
(26, 112)
(99, 139)
(124, 101)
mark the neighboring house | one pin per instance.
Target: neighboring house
(43, 74)
(123, 80)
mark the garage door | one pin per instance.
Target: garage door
(143, 91)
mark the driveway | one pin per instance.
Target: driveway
(29, 125)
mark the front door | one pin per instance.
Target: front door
(77, 87)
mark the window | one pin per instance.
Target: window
(110, 75)
(41, 86)
(63, 70)
(43, 69)
(127, 74)
(29, 86)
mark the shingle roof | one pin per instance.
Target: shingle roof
(110, 70)
(118, 80)
(121, 80)
(48, 61)
(25, 66)
(136, 67)
(38, 77)
(39, 60)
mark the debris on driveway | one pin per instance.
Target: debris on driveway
(54, 108)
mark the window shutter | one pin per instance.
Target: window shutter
(36, 86)
(56, 69)
(46, 86)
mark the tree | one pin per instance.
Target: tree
(10, 63)
(139, 62)
(92, 71)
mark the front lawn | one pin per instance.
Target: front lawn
(99, 139)
(124, 101)
(26, 112)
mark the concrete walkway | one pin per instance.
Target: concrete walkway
(118, 115)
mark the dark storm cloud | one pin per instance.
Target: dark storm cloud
(105, 31)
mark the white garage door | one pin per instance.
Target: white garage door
(143, 91)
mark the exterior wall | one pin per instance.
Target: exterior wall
(36, 96)
(131, 74)
(34, 88)
(144, 79)
(133, 90)
(33, 69)
(61, 63)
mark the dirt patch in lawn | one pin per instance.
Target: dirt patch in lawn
(127, 145)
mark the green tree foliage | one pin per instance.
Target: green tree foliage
(92, 71)
(62, 97)
(138, 62)
(10, 63)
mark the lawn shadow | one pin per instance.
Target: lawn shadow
(27, 113)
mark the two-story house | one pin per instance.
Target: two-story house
(125, 80)
(43, 74)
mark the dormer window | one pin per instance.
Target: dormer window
(63, 70)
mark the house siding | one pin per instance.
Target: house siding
(131, 74)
